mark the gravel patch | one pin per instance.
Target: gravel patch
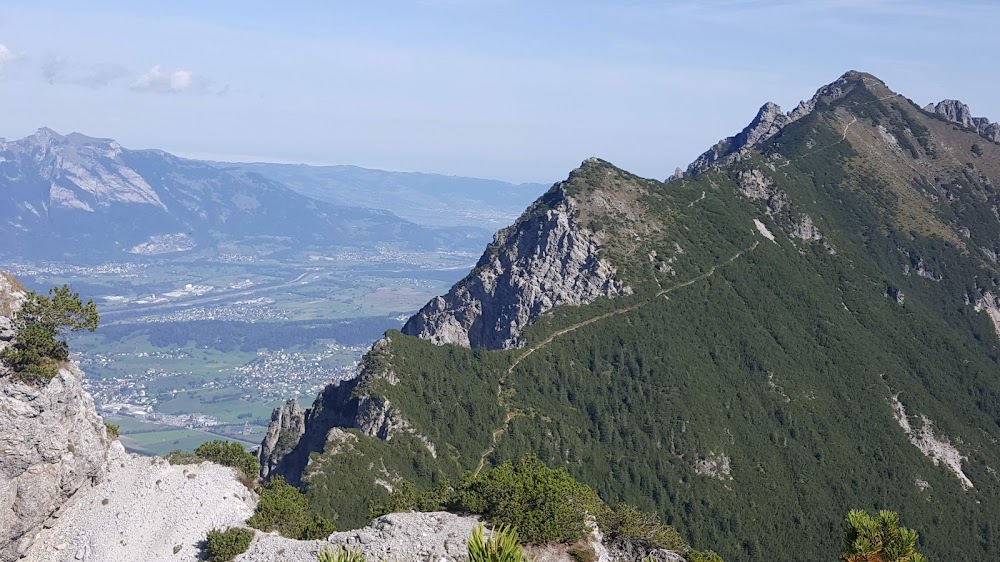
(145, 509)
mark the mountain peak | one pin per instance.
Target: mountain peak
(860, 76)
(44, 137)
(593, 163)
(770, 120)
(45, 132)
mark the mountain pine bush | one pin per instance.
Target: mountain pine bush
(228, 453)
(543, 504)
(879, 538)
(224, 545)
(39, 346)
(283, 508)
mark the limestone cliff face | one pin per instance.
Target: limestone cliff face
(545, 259)
(288, 423)
(52, 444)
(957, 112)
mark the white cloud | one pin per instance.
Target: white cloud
(60, 70)
(170, 81)
(8, 57)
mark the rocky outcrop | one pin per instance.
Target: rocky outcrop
(434, 536)
(52, 442)
(957, 112)
(754, 184)
(989, 303)
(293, 435)
(939, 449)
(68, 492)
(545, 259)
(12, 295)
(804, 229)
(768, 122)
(52, 446)
(288, 423)
(145, 509)
(336, 406)
(431, 537)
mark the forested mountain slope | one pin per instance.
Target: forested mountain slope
(803, 323)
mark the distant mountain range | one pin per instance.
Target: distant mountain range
(429, 199)
(75, 196)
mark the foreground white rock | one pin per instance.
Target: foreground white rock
(145, 509)
(398, 536)
(409, 537)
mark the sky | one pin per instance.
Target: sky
(506, 89)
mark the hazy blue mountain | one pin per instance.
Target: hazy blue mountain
(430, 199)
(74, 195)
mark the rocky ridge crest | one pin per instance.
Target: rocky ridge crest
(957, 112)
(768, 122)
(546, 259)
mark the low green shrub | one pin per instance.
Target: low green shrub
(543, 504)
(624, 523)
(183, 457)
(225, 545)
(579, 554)
(229, 453)
(704, 556)
(283, 508)
(112, 430)
(406, 497)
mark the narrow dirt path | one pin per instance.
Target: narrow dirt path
(691, 204)
(498, 433)
(843, 136)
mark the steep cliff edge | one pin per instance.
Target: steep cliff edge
(545, 259)
(53, 444)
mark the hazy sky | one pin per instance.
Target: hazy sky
(509, 89)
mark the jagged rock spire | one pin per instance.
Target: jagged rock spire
(957, 112)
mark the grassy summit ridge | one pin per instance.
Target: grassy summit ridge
(749, 390)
